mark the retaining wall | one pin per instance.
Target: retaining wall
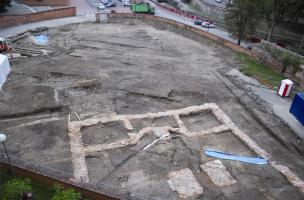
(176, 27)
(44, 175)
(272, 55)
(50, 182)
(15, 20)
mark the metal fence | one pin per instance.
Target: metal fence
(49, 176)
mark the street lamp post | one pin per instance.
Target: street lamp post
(2, 140)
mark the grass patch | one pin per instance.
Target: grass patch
(253, 69)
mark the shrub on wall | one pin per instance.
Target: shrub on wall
(286, 62)
(292, 62)
(14, 189)
(65, 194)
(5, 176)
(274, 52)
(296, 66)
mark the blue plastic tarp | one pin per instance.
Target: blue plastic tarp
(41, 39)
(228, 156)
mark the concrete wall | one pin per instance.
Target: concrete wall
(14, 20)
(45, 176)
(272, 55)
(280, 51)
(46, 2)
(176, 27)
(213, 11)
(200, 36)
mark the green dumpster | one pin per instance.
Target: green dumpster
(142, 8)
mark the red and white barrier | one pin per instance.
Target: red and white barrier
(177, 12)
(285, 88)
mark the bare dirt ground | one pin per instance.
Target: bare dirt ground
(109, 70)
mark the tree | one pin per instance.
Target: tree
(295, 13)
(295, 10)
(275, 13)
(4, 4)
(287, 60)
(300, 47)
(243, 17)
(278, 11)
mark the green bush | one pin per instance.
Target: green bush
(274, 52)
(296, 65)
(65, 194)
(287, 59)
(5, 176)
(14, 188)
(290, 61)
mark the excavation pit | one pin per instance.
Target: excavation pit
(199, 121)
(103, 133)
(146, 107)
(155, 122)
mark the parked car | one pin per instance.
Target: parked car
(105, 2)
(218, 1)
(254, 39)
(101, 6)
(111, 4)
(198, 22)
(126, 3)
(207, 25)
(280, 44)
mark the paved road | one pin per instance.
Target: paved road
(84, 9)
(213, 2)
(80, 4)
(218, 32)
(7, 32)
(18, 9)
(94, 3)
(118, 8)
